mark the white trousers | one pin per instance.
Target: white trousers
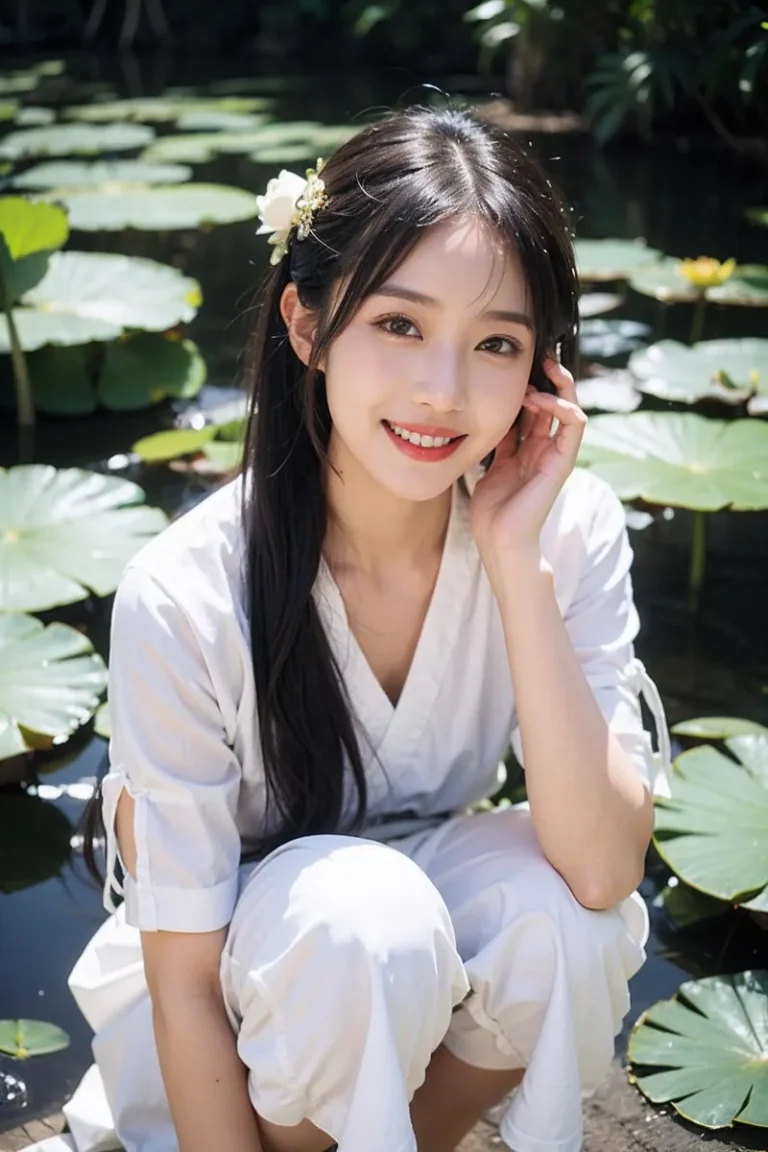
(348, 962)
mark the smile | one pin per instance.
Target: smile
(422, 445)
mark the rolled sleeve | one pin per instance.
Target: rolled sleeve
(602, 623)
(169, 750)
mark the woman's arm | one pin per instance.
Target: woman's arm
(205, 1080)
(592, 813)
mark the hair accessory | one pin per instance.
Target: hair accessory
(290, 202)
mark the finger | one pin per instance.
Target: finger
(561, 378)
(570, 418)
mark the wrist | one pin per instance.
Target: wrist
(519, 573)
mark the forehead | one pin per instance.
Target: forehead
(464, 263)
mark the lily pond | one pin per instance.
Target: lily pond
(128, 256)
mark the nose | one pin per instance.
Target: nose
(441, 381)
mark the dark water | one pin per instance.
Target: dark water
(683, 204)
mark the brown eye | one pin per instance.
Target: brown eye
(501, 345)
(396, 325)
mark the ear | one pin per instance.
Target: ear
(299, 321)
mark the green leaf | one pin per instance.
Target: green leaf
(165, 109)
(712, 1042)
(163, 446)
(50, 678)
(117, 206)
(604, 339)
(197, 148)
(688, 908)
(223, 455)
(31, 116)
(713, 829)
(23, 1038)
(593, 303)
(748, 286)
(61, 382)
(598, 260)
(718, 728)
(725, 370)
(75, 139)
(80, 174)
(67, 531)
(680, 459)
(102, 724)
(147, 368)
(758, 215)
(29, 228)
(611, 392)
(19, 82)
(95, 296)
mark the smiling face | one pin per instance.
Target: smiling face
(442, 350)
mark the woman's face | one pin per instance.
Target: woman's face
(443, 350)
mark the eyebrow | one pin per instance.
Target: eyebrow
(420, 298)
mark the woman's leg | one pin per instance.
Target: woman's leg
(548, 978)
(454, 1096)
(340, 974)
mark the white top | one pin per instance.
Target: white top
(185, 738)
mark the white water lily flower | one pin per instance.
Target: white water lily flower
(277, 207)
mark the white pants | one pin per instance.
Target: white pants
(349, 961)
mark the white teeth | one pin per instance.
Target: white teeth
(422, 441)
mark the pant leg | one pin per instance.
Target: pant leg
(340, 974)
(548, 977)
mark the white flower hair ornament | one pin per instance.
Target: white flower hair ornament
(290, 202)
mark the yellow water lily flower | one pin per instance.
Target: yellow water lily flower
(706, 272)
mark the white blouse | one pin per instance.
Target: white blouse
(185, 740)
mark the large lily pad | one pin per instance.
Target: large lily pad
(19, 82)
(197, 147)
(23, 1038)
(598, 260)
(595, 303)
(725, 370)
(65, 533)
(80, 174)
(605, 339)
(712, 1041)
(75, 140)
(131, 373)
(96, 295)
(50, 678)
(718, 727)
(117, 206)
(164, 109)
(610, 392)
(712, 830)
(31, 116)
(680, 459)
(34, 841)
(748, 286)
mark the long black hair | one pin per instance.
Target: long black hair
(407, 172)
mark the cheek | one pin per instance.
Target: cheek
(499, 394)
(356, 376)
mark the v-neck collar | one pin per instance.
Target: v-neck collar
(396, 728)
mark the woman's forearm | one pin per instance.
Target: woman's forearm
(205, 1080)
(592, 813)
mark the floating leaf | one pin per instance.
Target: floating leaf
(96, 295)
(75, 140)
(67, 531)
(218, 121)
(31, 116)
(593, 303)
(19, 82)
(50, 678)
(680, 459)
(611, 259)
(164, 109)
(688, 908)
(148, 368)
(102, 724)
(119, 206)
(163, 446)
(604, 339)
(28, 228)
(34, 840)
(196, 148)
(712, 1041)
(23, 1038)
(747, 286)
(611, 392)
(725, 370)
(718, 727)
(712, 830)
(80, 174)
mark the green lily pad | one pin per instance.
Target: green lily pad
(23, 1038)
(215, 120)
(34, 841)
(161, 447)
(283, 153)
(680, 459)
(712, 830)
(28, 228)
(75, 140)
(88, 296)
(223, 455)
(67, 532)
(196, 148)
(712, 1042)
(147, 368)
(688, 908)
(758, 216)
(725, 370)
(18, 82)
(102, 723)
(598, 260)
(8, 109)
(605, 339)
(593, 303)
(80, 174)
(30, 116)
(164, 109)
(611, 392)
(718, 727)
(50, 678)
(747, 286)
(119, 206)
